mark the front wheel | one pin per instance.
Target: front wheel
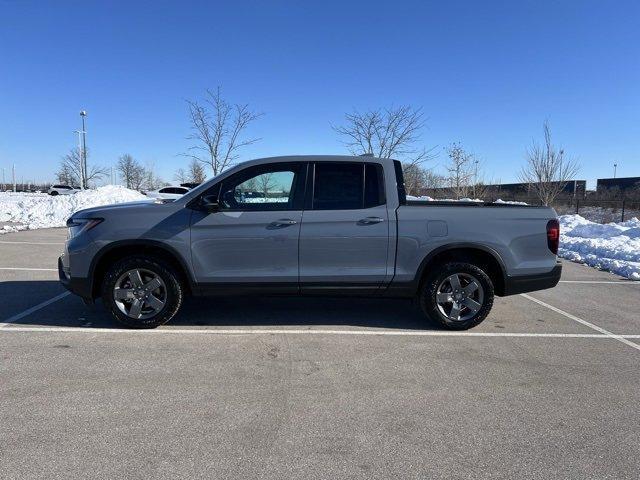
(142, 292)
(457, 295)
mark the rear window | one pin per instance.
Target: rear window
(179, 191)
(338, 186)
(347, 186)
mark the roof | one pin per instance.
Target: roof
(312, 158)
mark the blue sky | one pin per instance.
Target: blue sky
(487, 74)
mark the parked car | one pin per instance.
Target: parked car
(62, 190)
(168, 193)
(327, 225)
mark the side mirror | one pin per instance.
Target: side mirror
(209, 203)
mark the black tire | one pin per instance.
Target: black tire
(172, 288)
(429, 290)
(54, 193)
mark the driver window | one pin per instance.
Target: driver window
(266, 190)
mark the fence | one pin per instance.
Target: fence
(601, 211)
(590, 207)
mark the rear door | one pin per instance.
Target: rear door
(344, 238)
(253, 240)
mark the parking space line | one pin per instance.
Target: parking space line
(30, 243)
(265, 331)
(26, 269)
(620, 338)
(621, 282)
(35, 308)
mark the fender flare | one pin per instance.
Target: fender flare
(458, 246)
(139, 243)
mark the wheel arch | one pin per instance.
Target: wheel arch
(480, 255)
(117, 250)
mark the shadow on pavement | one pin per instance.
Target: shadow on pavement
(243, 312)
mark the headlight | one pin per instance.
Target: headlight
(78, 225)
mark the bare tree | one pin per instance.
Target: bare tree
(387, 133)
(131, 172)
(181, 176)
(459, 168)
(547, 169)
(71, 169)
(217, 128)
(151, 181)
(196, 172)
(265, 183)
(64, 175)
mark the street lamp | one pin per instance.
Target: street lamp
(615, 167)
(83, 152)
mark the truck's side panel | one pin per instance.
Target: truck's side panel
(517, 235)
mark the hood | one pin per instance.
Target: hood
(103, 209)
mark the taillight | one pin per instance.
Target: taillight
(553, 235)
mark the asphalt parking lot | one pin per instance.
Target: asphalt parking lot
(547, 387)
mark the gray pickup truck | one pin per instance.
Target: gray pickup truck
(310, 225)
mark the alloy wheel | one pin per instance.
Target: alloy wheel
(140, 293)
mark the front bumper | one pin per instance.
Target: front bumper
(79, 285)
(530, 283)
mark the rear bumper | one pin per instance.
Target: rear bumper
(79, 285)
(530, 283)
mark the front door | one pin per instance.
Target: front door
(344, 239)
(253, 239)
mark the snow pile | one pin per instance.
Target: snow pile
(614, 246)
(426, 198)
(44, 211)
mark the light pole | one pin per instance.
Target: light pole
(79, 132)
(475, 178)
(615, 167)
(83, 158)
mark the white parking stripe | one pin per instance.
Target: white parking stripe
(620, 338)
(31, 243)
(26, 269)
(621, 282)
(266, 331)
(35, 308)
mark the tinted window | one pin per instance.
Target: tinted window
(174, 190)
(261, 188)
(373, 185)
(338, 186)
(402, 192)
(347, 186)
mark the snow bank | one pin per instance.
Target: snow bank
(426, 198)
(614, 246)
(43, 211)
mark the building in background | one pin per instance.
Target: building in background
(623, 185)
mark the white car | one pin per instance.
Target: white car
(62, 190)
(167, 193)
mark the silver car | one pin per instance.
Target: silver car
(309, 225)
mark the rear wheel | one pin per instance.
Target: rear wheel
(142, 292)
(457, 295)
(54, 193)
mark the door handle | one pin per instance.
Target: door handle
(370, 220)
(283, 222)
